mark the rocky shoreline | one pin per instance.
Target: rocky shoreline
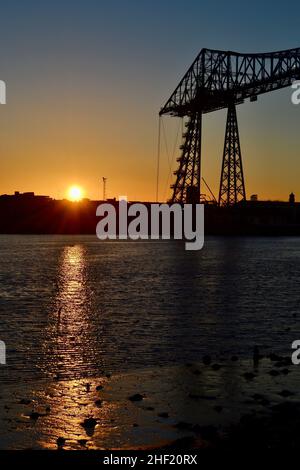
(210, 404)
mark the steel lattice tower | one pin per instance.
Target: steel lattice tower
(187, 185)
(232, 186)
(220, 80)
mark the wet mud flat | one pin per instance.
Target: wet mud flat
(210, 404)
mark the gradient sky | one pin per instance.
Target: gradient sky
(86, 79)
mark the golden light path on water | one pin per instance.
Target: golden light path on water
(69, 401)
(72, 310)
(73, 401)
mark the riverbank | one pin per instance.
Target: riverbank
(202, 405)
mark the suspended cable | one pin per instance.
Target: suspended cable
(171, 157)
(158, 157)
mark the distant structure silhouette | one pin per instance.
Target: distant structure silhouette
(104, 188)
(27, 213)
(217, 80)
(292, 198)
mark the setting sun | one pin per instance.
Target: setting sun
(75, 193)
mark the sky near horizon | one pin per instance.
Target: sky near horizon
(86, 79)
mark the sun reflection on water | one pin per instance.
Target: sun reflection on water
(72, 299)
(70, 349)
(70, 333)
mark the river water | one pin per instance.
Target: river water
(73, 307)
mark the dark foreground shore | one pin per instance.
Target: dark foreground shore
(221, 404)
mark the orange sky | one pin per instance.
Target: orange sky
(52, 144)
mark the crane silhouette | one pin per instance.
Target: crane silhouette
(217, 80)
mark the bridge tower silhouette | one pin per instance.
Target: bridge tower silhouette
(232, 185)
(219, 80)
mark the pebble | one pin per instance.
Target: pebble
(218, 408)
(136, 397)
(61, 441)
(24, 401)
(34, 415)
(249, 375)
(207, 397)
(206, 360)
(82, 442)
(258, 396)
(89, 423)
(285, 393)
(163, 415)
